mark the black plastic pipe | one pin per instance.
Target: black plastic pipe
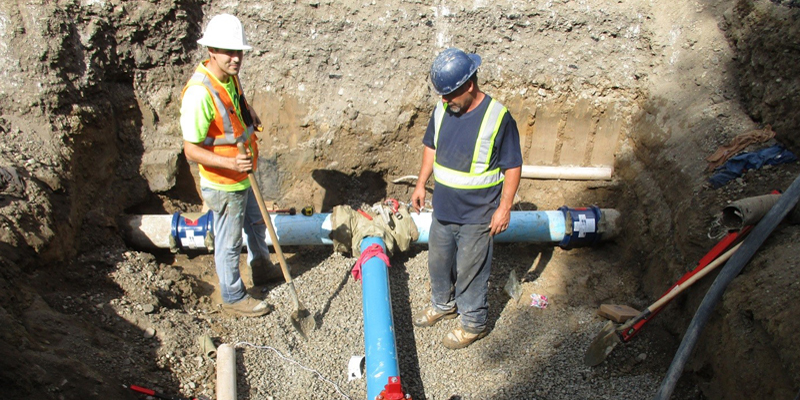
(731, 269)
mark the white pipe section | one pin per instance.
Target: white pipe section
(149, 231)
(566, 172)
(226, 372)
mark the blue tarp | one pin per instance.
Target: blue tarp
(738, 164)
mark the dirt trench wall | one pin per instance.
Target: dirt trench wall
(343, 89)
(756, 316)
(722, 64)
(765, 36)
(71, 126)
(73, 121)
(91, 97)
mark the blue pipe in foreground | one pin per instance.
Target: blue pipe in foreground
(569, 227)
(380, 348)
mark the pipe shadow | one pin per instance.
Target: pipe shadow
(407, 359)
(540, 261)
(319, 317)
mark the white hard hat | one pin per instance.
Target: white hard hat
(224, 31)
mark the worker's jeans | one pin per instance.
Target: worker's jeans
(459, 263)
(233, 213)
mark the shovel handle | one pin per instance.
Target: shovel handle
(678, 288)
(629, 330)
(271, 229)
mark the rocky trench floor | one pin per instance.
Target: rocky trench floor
(159, 311)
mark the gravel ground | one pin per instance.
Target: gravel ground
(530, 353)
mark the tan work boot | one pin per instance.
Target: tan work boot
(248, 307)
(429, 316)
(263, 271)
(459, 338)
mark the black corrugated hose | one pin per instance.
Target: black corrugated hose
(731, 269)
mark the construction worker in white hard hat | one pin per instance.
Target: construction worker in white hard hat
(215, 116)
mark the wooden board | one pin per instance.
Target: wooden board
(617, 312)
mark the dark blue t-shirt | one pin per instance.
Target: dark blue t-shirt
(455, 149)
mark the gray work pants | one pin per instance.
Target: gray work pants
(459, 264)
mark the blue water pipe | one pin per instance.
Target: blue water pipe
(380, 348)
(567, 227)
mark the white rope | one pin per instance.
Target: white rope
(319, 375)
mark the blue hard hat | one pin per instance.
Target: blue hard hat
(451, 69)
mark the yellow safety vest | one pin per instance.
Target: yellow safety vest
(479, 176)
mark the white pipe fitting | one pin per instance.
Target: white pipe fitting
(226, 372)
(566, 172)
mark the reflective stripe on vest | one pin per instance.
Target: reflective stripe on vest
(478, 177)
(229, 138)
(225, 130)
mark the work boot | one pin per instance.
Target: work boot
(248, 307)
(263, 271)
(429, 316)
(459, 338)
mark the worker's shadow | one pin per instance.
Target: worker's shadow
(368, 187)
(513, 265)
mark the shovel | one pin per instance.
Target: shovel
(611, 335)
(301, 319)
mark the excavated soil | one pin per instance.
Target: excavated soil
(90, 100)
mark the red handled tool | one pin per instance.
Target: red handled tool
(155, 394)
(726, 243)
(611, 335)
(395, 207)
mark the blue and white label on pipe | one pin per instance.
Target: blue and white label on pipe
(191, 241)
(584, 225)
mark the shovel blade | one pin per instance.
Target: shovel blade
(602, 345)
(303, 322)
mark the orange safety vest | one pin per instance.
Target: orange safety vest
(226, 129)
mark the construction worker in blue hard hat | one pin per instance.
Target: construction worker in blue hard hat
(215, 116)
(472, 149)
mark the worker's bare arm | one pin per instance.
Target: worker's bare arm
(200, 155)
(425, 171)
(502, 216)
